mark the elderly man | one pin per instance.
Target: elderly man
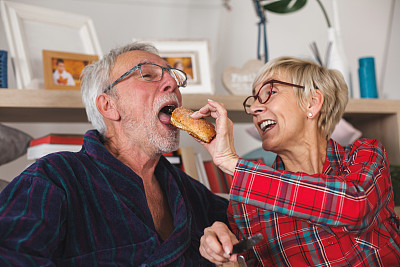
(117, 202)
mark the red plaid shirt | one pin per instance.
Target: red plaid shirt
(341, 217)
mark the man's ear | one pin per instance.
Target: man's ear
(315, 103)
(106, 106)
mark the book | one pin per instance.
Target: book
(38, 151)
(3, 69)
(201, 170)
(70, 139)
(174, 158)
(213, 177)
(226, 180)
(219, 181)
(168, 154)
(188, 161)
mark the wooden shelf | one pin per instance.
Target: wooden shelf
(376, 118)
(41, 106)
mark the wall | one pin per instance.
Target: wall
(233, 40)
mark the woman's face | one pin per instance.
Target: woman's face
(280, 121)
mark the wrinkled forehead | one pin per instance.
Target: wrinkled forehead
(128, 60)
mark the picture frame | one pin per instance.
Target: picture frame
(194, 58)
(30, 29)
(62, 70)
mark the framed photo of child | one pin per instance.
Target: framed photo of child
(193, 57)
(62, 70)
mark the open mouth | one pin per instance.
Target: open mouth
(266, 125)
(168, 109)
(165, 114)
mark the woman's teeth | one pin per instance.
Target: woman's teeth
(266, 124)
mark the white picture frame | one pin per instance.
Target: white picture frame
(197, 55)
(31, 29)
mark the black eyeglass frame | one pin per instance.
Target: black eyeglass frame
(138, 67)
(257, 97)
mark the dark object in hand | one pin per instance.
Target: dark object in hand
(247, 244)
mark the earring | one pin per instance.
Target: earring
(309, 115)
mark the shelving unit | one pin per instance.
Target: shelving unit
(376, 118)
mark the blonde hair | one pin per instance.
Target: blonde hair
(312, 76)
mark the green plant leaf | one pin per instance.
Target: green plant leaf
(285, 6)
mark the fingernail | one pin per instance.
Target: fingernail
(194, 113)
(227, 251)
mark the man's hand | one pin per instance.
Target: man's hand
(217, 243)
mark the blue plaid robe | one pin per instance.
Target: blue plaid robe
(89, 209)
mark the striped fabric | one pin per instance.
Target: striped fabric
(342, 217)
(89, 209)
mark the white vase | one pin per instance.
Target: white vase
(336, 59)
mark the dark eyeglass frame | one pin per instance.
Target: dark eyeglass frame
(138, 67)
(257, 97)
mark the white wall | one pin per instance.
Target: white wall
(233, 40)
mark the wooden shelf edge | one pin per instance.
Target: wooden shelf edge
(40, 98)
(382, 106)
(41, 102)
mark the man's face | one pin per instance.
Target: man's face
(141, 103)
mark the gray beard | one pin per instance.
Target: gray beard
(165, 144)
(161, 143)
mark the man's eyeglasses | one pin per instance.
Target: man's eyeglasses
(264, 94)
(152, 73)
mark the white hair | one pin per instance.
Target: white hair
(96, 77)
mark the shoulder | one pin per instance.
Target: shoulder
(365, 152)
(367, 146)
(58, 158)
(38, 178)
(56, 167)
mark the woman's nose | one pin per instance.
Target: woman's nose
(257, 107)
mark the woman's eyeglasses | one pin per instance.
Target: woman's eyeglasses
(264, 94)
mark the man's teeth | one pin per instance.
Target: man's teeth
(265, 124)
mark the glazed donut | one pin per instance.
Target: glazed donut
(198, 128)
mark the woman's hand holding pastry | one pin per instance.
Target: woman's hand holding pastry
(222, 148)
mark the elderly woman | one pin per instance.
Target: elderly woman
(319, 204)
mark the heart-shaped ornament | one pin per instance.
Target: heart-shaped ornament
(238, 81)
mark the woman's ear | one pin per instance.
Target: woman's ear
(315, 104)
(106, 106)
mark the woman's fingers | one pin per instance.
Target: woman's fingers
(210, 109)
(222, 148)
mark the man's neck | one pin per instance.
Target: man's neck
(143, 162)
(133, 154)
